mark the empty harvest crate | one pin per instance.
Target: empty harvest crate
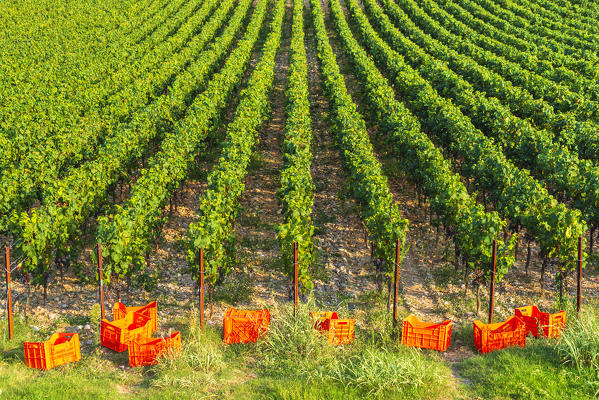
(322, 319)
(341, 331)
(491, 337)
(240, 326)
(60, 349)
(148, 351)
(151, 310)
(426, 335)
(116, 335)
(552, 325)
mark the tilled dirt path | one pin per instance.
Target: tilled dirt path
(255, 229)
(340, 235)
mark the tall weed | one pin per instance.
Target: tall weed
(202, 358)
(579, 344)
(376, 366)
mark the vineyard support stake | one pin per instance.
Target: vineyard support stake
(100, 281)
(396, 284)
(295, 275)
(8, 292)
(492, 287)
(579, 278)
(202, 289)
(27, 312)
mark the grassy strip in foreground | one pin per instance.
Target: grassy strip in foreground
(373, 366)
(296, 362)
(567, 368)
(535, 372)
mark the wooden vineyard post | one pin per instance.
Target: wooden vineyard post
(295, 275)
(396, 284)
(492, 287)
(202, 289)
(27, 306)
(100, 281)
(8, 292)
(579, 278)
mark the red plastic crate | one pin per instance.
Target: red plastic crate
(552, 324)
(240, 326)
(116, 335)
(151, 310)
(426, 335)
(148, 351)
(322, 319)
(491, 337)
(341, 331)
(60, 349)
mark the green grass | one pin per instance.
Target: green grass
(90, 378)
(297, 389)
(534, 372)
(94, 376)
(373, 366)
(296, 362)
(567, 368)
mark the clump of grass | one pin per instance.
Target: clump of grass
(534, 372)
(547, 368)
(579, 344)
(295, 350)
(379, 372)
(94, 319)
(292, 342)
(464, 333)
(202, 358)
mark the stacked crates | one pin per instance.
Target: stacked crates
(132, 330)
(551, 325)
(117, 334)
(151, 310)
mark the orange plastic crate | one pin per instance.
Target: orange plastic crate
(322, 319)
(116, 335)
(491, 337)
(151, 310)
(426, 335)
(552, 324)
(60, 349)
(240, 326)
(341, 331)
(148, 351)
